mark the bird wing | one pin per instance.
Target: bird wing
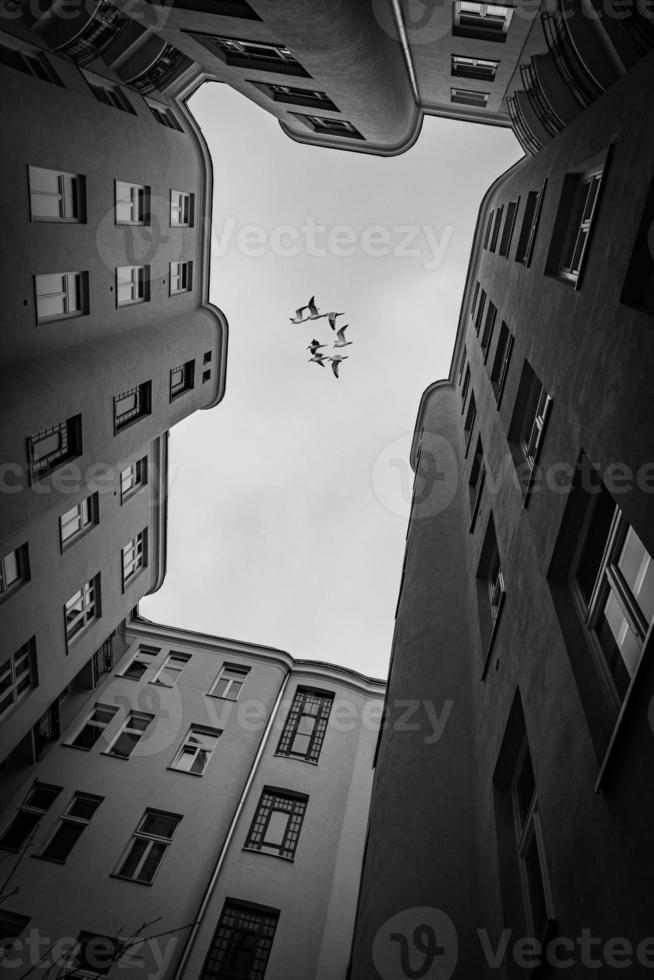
(312, 305)
(335, 366)
(341, 332)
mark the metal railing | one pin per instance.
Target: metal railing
(105, 25)
(538, 100)
(526, 138)
(571, 68)
(169, 62)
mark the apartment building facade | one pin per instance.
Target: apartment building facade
(513, 845)
(203, 815)
(108, 341)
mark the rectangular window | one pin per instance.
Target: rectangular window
(529, 227)
(30, 61)
(132, 204)
(138, 665)
(327, 126)
(206, 376)
(54, 446)
(134, 557)
(465, 388)
(56, 196)
(306, 724)
(11, 926)
(108, 93)
(206, 357)
(242, 942)
(501, 362)
(82, 609)
(292, 95)
(61, 295)
(491, 591)
(132, 284)
(530, 847)
(18, 676)
(148, 847)
(71, 827)
(479, 315)
(577, 213)
(257, 55)
(181, 277)
(19, 832)
(182, 379)
(464, 67)
(93, 727)
(482, 21)
(489, 226)
(132, 405)
(528, 423)
(14, 570)
(196, 750)
(492, 245)
(638, 288)
(475, 297)
(181, 209)
(277, 823)
(93, 957)
(79, 519)
(465, 96)
(130, 734)
(133, 477)
(469, 423)
(165, 116)
(476, 481)
(172, 667)
(229, 682)
(489, 326)
(507, 231)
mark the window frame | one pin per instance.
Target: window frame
(87, 511)
(528, 427)
(70, 819)
(173, 657)
(529, 227)
(501, 362)
(74, 295)
(131, 732)
(480, 29)
(579, 225)
(242, 673)
(20, 666)
(76, 196)
(324, 701)
(142, 407)
(471, 67)
(192, 742)
(136, 197)
(241, 919)
(180, 273)
(137, 279)
(186, 382)
(184, 206)
(491, 593)
(93, 725)
(70, 434)
(470, 97)
(143, 652)
(273, 800)
(139, 467)
(152, 841)
(20, 557)
(34, 60)
(34, 811)
(89, 613)
(134, 558)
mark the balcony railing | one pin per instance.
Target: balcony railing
(106, 24)
(169, 63)
(526, 138)
(639, 27)
(538, 100)
(570, 66)
(103, 659)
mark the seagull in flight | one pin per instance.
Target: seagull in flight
(332, 319)
(314, 346)
(318, 358)
(336, 362)
(340, 337)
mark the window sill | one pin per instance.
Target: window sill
(185, 772)
(78, 748)
(40, 321)
(278, 857)
(72, 541)
(42, 857)
(132, 881)
(491, 642)
(220, 697)
(128, 583)
(112, 755)
(295, 758)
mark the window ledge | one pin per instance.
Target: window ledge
(42, 857)
(220, 697)
(78, 748)
(278, 857)
(295, 758)
(112, 755)
(132, 881)
(185, 772)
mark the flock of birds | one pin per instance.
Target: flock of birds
(315, 347)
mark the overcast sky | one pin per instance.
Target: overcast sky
(289, 501)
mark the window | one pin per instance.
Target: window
(206, 357)
(11, 926)
(29, 61)
(181, 277)
(489, 326)
(482, 21)
(132, 405)
(465, 67)
(20, 830)
(14, 570)
(277, 823)
(93, 727)
(18, 676)
(132, 204)
(60, 295)
(196, 750)
(639, 283)
(465, 388)
(139, 663)
(181, 209)
(172, 667)
(329, 127)
(530, 847)
(507, 231)
(132, 284)
(242, 942)
(82, 608)
(577, 214)
(489, 225)
(56, 196)
(292, 95)
(306, 724)
(54, 446)
(527, 428)
(134, 557)
(148, 847)
(476, 481)
(71, 827)
(473, 305)
(492, 245)
(529, 226)
(229, 682)
(491, 591)
(130, 734)
(479, 315)
(165, 116)
(206, 376)
(93, 957)
(501, 362)
(469, 423)
(465, 96)
(181, 379)
(133, 477)
(79, 519)
(108, 93)
(252, 54)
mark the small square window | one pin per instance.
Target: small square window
(132, 284)
(132, 405)
(464, 96)
(206, 376)
(481, 21)
(134, 557)
(108, 93)
(182, 379)
(133, 478)
(181, 209)
(181, 277)
(165, 116)
(76, 521)
(196, 750)
(132, 204)
(229, 682)
(326, 126)
(61, 295)
(465, 67)
(207, 357)
(56, 196)
(14, 570)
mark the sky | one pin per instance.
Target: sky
(289, 501)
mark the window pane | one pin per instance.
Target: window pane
(124, 744)
(133, 859)
(10, 567)
(83, 807)
(158, 824)
(46, 207)
(638, 570)
(625, 639)
(64, 840)
(19, 830)
(535, 883)
(152, 861)
(276, 829)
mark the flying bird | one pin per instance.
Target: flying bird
(319, 359)
(332, 319)
(298, 318)
(336, 361)
(313, 310)
(314, 346)
(340, 337)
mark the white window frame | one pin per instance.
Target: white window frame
(182, 379)
(28, 806)
(144, 656)
(140, 834)
(469, 97)
(132, 284)
(136, 725)
(78, 520)
(176, 662)
(134, 557)
(484, 14)
(181, 277)
(72, 819)
(87, 601)
(133, 478)
(67, 193)
(233, 674)
(195, 752)
(14, 570)
(528, 829)
(133, 200)
(97, 725)
(582, 215)
(69, 288)
(476, 67)
(18, 676)
(181, 209)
